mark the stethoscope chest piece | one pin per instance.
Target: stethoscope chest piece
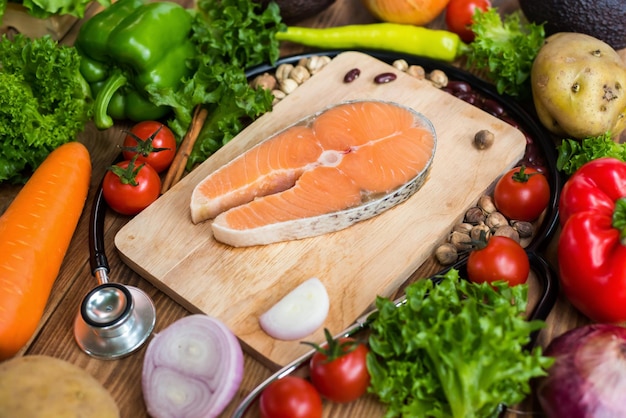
(114, 320)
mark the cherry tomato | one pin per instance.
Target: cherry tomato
(129, 187)
(522, 194)
(290, 397)
(459, 15)
(502, 258)
(153, 142)
(339, 371)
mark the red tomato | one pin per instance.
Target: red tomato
(459, 15)
(290, 397)
(153, 142)
(129, 187)
(501, 259)
(522, 194)
(342, 377)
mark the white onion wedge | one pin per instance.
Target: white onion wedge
(299, 313)
(192, 368)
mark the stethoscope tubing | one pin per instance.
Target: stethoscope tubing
(97, 256)
(114, 319)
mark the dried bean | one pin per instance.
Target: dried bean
(384, 78)
(458, 87)
(506, 231)
(438, 78)
(351, 75)
(480, 232)
(523, 228)
(401, 65)
(485, 202)
(264, 81)
(416, 71)
(282, 72)
(288, 85)
(493, 107)
(470, 98)
(483, 139)
(463, 227)
(461, 241)
(510, 121)
(446, 254)
(496, 220)
(299, 74)
(474, 215)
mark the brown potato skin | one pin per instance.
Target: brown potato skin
(579, 86)
(43, 386)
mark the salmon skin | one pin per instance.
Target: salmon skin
(345, 164)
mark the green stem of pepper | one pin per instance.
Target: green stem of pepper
(101, 118)
(619, 219)
(416, 40)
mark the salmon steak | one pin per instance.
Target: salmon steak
(345, 164)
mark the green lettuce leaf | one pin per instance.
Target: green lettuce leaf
(454, 349)
(3, 8)
(46, 8)
(572, 154)
(505, 49)
(44, 102)
(230, 36)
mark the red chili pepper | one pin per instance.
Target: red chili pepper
(592, 245)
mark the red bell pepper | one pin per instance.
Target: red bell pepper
(592, 245)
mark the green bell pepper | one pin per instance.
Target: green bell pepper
(128, 47)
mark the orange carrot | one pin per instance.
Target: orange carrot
(35, 233)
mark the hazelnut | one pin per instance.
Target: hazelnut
(474, 215)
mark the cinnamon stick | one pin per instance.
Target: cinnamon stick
(177, 169)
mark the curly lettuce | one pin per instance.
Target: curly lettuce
(454, 349)
(230, 36)
(43, 9)
(44, 102)
(505, 49)
(574, 153)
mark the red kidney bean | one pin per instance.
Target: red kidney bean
(493, 107)
(510, 121)
(458, 87)
(384, 78)
(351, 75)
(470, 97)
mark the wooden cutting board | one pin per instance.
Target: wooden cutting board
(370, 258)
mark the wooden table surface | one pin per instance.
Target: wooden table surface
(123, 377)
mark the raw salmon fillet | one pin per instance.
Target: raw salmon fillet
(343, 165)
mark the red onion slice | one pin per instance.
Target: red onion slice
(588, 377)
(192, 368)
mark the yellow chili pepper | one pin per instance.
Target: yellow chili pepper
(393, 37)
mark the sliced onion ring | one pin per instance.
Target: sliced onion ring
(192, 368)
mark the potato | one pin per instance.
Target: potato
(38, 386)
(579, 86)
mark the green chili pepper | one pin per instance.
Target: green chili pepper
(126, 48)
(415, 40)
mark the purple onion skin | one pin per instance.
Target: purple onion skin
(588, 377)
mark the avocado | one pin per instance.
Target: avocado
(293, 11)
(602, 19)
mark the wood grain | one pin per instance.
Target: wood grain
(123, 377)
(371, 258)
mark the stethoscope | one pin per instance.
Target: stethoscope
(114, 320)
